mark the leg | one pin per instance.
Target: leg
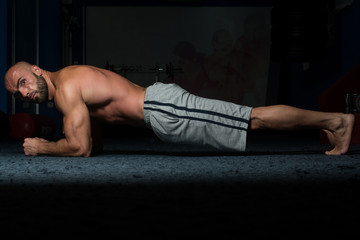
(337, 126)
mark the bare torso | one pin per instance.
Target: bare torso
(107, 95)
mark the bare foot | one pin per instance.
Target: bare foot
(340, 137)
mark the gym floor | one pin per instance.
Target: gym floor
(283, 186)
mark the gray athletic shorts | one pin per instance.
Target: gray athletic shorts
(177, 116)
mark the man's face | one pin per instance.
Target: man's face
(29, 87)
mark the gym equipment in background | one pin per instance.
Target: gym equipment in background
(169, 70)
(24, 125)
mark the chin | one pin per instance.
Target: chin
(42, 99)
(39, 100)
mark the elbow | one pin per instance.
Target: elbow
(80, 151)
(84, 152)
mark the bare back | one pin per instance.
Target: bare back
(107, 95)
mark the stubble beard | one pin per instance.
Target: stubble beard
(43, 91)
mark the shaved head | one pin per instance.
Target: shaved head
(9, 75)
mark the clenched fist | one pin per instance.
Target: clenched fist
(32, 145)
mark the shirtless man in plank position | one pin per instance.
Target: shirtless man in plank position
(86, 93)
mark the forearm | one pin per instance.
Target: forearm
(59, 148)
(63, 148)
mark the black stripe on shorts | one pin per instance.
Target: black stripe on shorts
(196, 118)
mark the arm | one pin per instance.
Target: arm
(77, 128)
(77, 141)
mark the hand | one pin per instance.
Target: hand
(31, 146)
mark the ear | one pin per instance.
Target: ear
(36, 70)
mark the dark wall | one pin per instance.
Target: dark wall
(302, 89)
(3, 52)
(33, 32)
(50, 49)
(25, 42)
(343, 53)
(301, 83)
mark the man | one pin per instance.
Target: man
(84, 94)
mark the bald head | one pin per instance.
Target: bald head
(18, 68)
(23, 65)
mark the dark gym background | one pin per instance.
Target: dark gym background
(283, 186)
(54, 34)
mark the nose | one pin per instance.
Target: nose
(24, 92)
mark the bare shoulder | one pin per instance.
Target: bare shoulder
(72, 77)
(75, 72)
(68, 86)
(81, 83)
